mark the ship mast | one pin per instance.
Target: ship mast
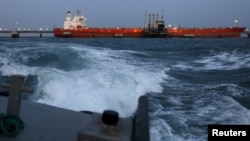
(149, 21)
(153, 21)
(145, 20)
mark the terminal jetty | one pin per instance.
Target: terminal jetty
(154, 27)
(17, 33)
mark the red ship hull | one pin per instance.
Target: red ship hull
(99, 32)
(228, 32)
(76, 27)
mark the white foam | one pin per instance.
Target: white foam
(161, 131)
(231, 89)
(221, 61)
(226, 61)
(182, 121)
(111, 81)
(234, 114)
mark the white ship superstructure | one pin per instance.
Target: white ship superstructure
(77, 22)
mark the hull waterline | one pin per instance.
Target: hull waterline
(99, 32)
(228, 32)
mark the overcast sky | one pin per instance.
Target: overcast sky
(36, 14)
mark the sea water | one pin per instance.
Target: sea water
(190, 83)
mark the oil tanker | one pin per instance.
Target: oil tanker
(76, 27)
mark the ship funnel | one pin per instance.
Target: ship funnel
(68, 16)
(236, 23)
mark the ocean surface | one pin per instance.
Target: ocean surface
(190, 83)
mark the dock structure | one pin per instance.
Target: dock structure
(17, 33)
(14, 34)
(155, 27)
(30, 121)
(248, 34)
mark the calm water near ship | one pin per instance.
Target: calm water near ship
(190, 83)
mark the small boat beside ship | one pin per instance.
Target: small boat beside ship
(76, 27)
(248, 34)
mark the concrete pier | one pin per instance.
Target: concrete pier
(18, 33)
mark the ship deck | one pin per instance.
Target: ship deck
(48, 123)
